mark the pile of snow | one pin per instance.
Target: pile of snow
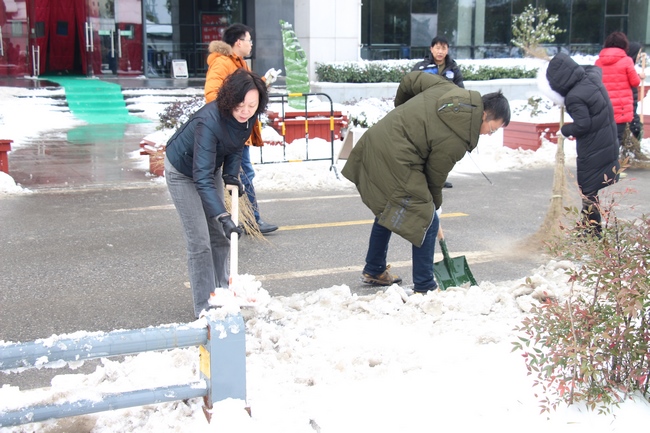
(332, 361)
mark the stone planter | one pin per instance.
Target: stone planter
(5, 148)
(528, 135)
(292, 126)
(156, 155)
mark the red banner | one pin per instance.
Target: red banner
(212, 27)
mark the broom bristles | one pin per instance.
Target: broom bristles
(246, 216)
(551, 225)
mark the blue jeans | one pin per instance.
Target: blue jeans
(422, 257)
(247, 180)
(208, 249)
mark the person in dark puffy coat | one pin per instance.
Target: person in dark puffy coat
(587, 102)
(635, 53)
(619, 77)
(200, 157)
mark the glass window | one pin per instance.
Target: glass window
(518, 6)
(615, 24)
(497, 22)
(561, 8)
(39, 29)
(62, 28)
(17, 29)
(183, 29)
(390, 22)
(424, 6)
(423, 28)
(616, 7)
(586, 22)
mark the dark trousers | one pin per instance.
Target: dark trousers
(422, 257)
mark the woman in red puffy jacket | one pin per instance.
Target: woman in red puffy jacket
(619, 76)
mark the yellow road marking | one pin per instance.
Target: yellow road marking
(352, 223)
(324, 197)
(321, 225)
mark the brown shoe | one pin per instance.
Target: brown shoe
(383, 279)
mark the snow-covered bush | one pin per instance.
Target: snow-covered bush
(392, 71)
(367, 112)
(177, 113)
(376, 71)
(532, 27)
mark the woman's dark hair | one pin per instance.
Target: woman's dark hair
(617, 40)
(234, 90)
(235, 32)
(497, 107)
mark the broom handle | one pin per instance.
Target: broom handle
(234, 237)
(641, 98)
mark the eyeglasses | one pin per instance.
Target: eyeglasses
(492, 131)
(247, 40)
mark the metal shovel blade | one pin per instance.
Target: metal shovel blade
(452, 272)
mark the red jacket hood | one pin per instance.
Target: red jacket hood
(609, 56)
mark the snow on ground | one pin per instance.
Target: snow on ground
(330, 361)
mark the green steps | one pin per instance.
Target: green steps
(94, 101)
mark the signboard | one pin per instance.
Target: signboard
(179, 68)
(212, 27)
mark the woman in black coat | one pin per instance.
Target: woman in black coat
(200, 157)
(587, 102)
(635, 53)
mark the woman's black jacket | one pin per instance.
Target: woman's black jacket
(205, 143)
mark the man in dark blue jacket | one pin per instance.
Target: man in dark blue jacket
(440, 63)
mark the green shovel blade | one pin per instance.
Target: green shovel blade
(452, 272)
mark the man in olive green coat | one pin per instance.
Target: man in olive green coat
(401, 163)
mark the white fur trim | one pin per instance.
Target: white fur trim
(545, 87)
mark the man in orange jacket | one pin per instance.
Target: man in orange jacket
(225, 57)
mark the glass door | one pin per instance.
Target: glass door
(13, 39)
(107, 40)
(117, 28)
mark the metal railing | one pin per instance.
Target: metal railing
(284, 98)
(222, 352)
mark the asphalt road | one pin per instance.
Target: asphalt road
(101, 259)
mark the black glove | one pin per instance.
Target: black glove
(229, 226)
(229, 179)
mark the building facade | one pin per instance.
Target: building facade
(142, 37)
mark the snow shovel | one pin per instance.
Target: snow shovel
(451, 272)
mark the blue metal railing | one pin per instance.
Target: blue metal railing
(222, 350)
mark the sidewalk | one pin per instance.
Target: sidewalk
(90, 155)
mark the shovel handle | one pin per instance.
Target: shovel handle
(443, 248)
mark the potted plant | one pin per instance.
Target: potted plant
(528, 127)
